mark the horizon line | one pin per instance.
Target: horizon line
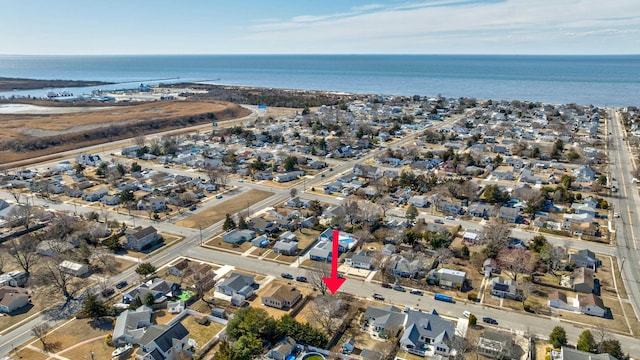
(328, 54)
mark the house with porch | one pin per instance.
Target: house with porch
(427, 332)
(384, 322)
(164, 342)
(282, 297)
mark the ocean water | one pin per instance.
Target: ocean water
(598, 80)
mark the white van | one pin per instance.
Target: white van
(466, 314)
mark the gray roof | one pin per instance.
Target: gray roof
(131, 320)
(386, 317)
(164, 335)
(574, 354)
(498, 341)
(141, 233)
(363, 257)
(427, 325)
(238, 281)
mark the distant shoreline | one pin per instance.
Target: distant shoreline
(9, 84)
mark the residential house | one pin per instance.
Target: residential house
(496, 345)
(237, 236)
(427, 332)
(179, 268)
(591, 304)
(286, 247)
(567, 353)
(130, 325)
(504, 288)
(283, 349)
(404, 268)
(260, 241)
(481, 210)
(449, 207)
(585, 258)
(262, 225)
(13, 298)
(288, 236)
(14, 278)
(489, 266)
(286, 177)
(237, 284)
(471, 237)
(95, 195)
(582, 280)
(448, 277)
(388, 249)
(569, 220)
(158, 287)
(163, 342)
(367, 171)
(281, 297)
(360, 260)
(584, 208)
(508, 214)
(418, 201)
(584, 174)
(332, 187)
(558, 300)
(74, 268)
(526, 176)
(139, 237)
(52, 247)
(88, 160)
(386, 321)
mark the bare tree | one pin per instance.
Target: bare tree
(16, 192)
(516, 261)
(41, 331)
(443, 255)
(552, 257)
(385, 202)
(21, 215)
(2, 260)
(315, 275)
(52, 275)
(23, 250)
(140, 140)
(496, 232)
(326, 313)
(106, 261)
(527, 288)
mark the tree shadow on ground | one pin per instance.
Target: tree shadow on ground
(102, 323)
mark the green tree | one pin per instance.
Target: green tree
(229, 224)
(242, 223)
(135, 167)
(602, 179)
(136, 303)
(613, 348)
(101, 169)
(473, 320)
(145, 269)
(586, 342)
(306, 110)
(121, 170)
(79, 168)
(225, 352)
(247, 347)
(567, 181)
(537, 243)
(290, 163)
(412, 212)
(94, 308)
(126, 197)
(558, 337)
(464, 252)
(316, 207)
(148, 299)
(250, 321)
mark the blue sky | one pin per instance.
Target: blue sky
(320, 27)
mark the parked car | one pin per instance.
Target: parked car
(416, 292)
(287, 276)
(378, 297)
(438, 221)
(193, 208)
(489, 320)
(107, 292)
(121, 284)
(399, 288)
(616, 215)
(219, 196)
(450, 218)
(466, 313)
(301, 279)
(386, 285)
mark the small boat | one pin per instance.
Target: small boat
(121, 350)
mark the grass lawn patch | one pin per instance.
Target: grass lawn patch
(99, 348)
(15, 317)
(225, 246)
(635, 325)
(122, 265)
(76, 331)
(615, 324)
(213, 214)
(162, 316)
(201, 333)
(405, 355)
(622, 291)
(306, 237)
(31, 355)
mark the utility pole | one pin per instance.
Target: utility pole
(200, 235)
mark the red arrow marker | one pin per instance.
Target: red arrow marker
(334, 282)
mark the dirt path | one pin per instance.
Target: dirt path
(56, 356)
